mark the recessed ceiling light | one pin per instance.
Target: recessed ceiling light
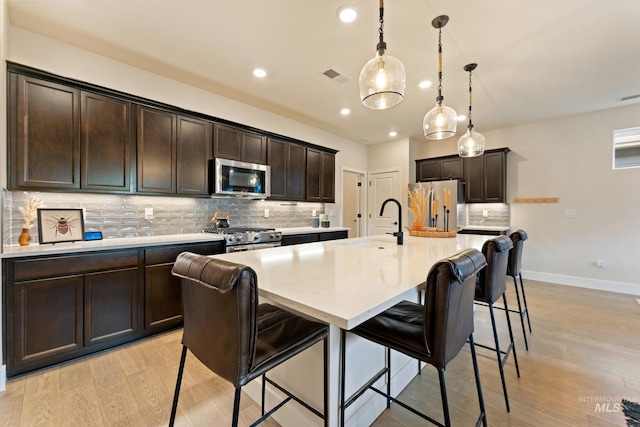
(259, 72)
(347, 13)
(425, 84)
(461, 117)
(393, 133)
(345, 111)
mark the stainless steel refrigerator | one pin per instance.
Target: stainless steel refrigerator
(457, 211)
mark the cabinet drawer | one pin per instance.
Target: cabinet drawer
(170, 253)
(31, 268)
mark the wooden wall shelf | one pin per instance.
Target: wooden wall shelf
(536, 200)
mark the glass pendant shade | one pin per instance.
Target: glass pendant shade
(382, 82)
(471, 144)
(440, 122)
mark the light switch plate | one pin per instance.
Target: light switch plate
(570, 213)
(266, 213)
(148, 214)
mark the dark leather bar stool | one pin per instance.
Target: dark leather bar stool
(491, 285)
(234, 336)
(514, 269)
(433, 333)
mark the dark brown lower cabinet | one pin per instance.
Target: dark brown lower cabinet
(296, 239)
(47, 319)
(110, 305)
(162, 290)
(60, 307)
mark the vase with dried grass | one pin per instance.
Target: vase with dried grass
(29, 212)
(418, 203)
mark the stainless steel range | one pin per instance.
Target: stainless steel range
(240, 239)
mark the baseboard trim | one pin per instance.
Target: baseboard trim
(3, 377)
(582, 282)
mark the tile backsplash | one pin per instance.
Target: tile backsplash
(499, 214)
(124, 215)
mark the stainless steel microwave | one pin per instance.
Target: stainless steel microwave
(241, 179)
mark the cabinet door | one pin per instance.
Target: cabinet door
(45, 144)
(226, 142)
(328, 177)
(314, 175)
(474, 179)
(494, 177)
(163, 297)
(156, 151)
(47, 319)
(428, 170)
(110, 305)
(276, 158)
(105, 143)
(296, 171)
(452, 168)
(193, 149)
(254, 148)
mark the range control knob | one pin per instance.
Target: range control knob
(230, 238)
(239, 238)
(256, 237)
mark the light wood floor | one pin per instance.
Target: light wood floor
(585, 347)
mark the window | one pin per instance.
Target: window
(626, 148)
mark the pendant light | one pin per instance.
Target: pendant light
(441, 121)
(470, 144)
(382, 79)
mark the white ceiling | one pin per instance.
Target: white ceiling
(537, 59)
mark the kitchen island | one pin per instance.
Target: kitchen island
(344, 283)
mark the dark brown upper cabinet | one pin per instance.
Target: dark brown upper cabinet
(320, 176)
(173, 153)
(105, 143)
(63, 138)
(486, 177)
(237, 144)
(44, 134)
(439, 168)
(288, 169)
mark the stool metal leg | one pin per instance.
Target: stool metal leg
(264, 384)
(443, 395)
(483, 414)
(499, 354)
(236, 408)
(174, 407)
(521, 313)
(524, 300)
(513, 345)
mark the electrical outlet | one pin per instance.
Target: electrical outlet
(266, 213)
(148, 214)
(570, 213)
(600, 264)
(332, 212)
(313, 212)
(485, 213)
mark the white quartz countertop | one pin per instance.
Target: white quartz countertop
(345, 282)
(35, 249)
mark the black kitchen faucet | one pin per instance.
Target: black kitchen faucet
(398, 234)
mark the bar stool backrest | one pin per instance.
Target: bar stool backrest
(220, 307)
(515, 255)
(492, 281)
(448, 318)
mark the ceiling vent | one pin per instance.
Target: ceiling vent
(336, 75)
(630, 97)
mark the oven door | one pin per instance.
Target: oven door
(252, 247)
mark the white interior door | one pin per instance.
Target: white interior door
(382, 186)
(353, 202)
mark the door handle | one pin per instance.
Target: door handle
(395, 223)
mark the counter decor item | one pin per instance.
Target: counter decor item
(60, 225)
(418, 202)
(315, 222)
(221, 219)
(29, 212)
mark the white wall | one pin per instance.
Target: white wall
(570, 158)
